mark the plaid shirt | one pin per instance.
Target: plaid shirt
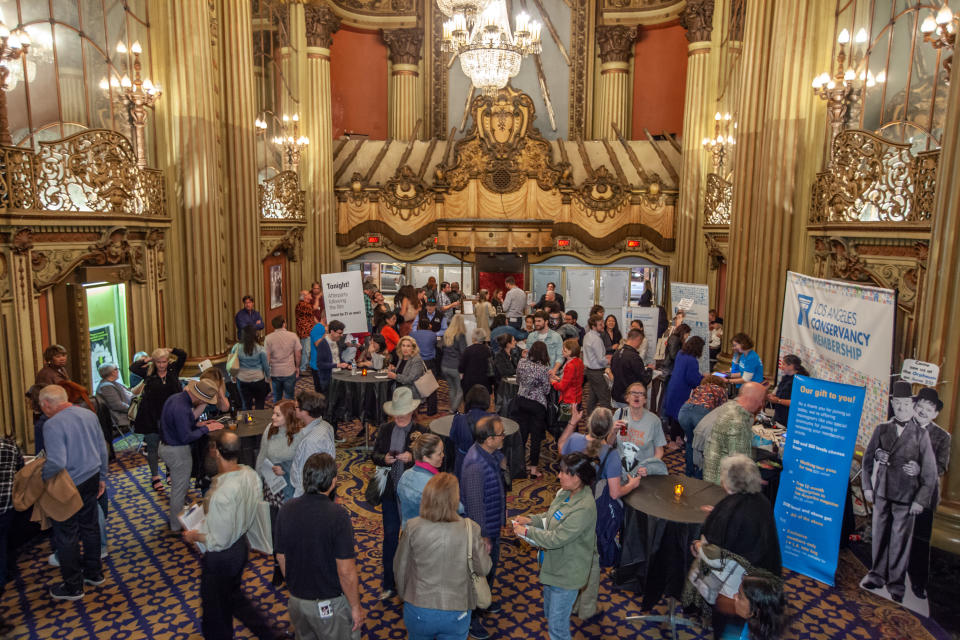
(11, 461)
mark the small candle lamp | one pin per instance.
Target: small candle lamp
(678, 491)
(364, 371)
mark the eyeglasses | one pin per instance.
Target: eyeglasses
(498, 435)
(638, 394)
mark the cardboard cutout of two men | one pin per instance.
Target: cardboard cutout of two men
(902, 466)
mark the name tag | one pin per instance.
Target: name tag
(325, 608)
(558, 515)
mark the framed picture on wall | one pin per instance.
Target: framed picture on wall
(276, 286)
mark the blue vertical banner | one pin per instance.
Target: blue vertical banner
(821, 435)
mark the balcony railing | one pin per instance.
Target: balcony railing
(94, 171)
(717, 201)
(281, 197)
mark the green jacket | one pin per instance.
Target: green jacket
(568, 543)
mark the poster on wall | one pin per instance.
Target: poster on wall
(103, 349)
(649, 317)
(695, 301)
(821, 433)
(276, 286)
(842, 331)
(343, 297)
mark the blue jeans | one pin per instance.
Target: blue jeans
(689, 417)
(558, 605)
(430, 624)
(283, 387)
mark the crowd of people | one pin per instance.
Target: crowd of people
(443, 520)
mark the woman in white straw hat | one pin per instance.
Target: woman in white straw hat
(392, 449)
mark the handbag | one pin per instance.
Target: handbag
(134, 408)
(233, 362)
(375, 487)
(481, 588)
(427, 383)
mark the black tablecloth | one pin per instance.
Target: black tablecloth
(351, 397)
(513, 450)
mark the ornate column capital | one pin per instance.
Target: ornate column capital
(616, 42)
(322, 23)
(404, 44)
(697, 19)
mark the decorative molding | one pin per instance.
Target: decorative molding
(502, 148)
(405, 195)
(874, 180)
(439, 77)
(291, 243)
(52, 266)
(738, 10)
(697, 19)
(716, 252)
(378, 7)
(404, 45)
(581, 69)
(603, 195)
(717, 201)
(22, 241)
(281, 198)
(616, 43)
(322, 23)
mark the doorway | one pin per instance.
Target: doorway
(107, 329)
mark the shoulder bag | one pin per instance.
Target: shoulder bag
(427, 383)
(134, 407)
(481, 589)
(376, 485)
(233, 362)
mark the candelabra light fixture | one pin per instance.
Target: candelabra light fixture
(489, 53)
(842, 90)
(13, 46)
(290, 140)
(136, 94)
(940, 30)
(719, 145)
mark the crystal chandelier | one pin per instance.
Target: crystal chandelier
(469, 9)
(489, 54)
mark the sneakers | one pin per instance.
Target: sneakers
(60, 592)
(477, 630)
(96, 580)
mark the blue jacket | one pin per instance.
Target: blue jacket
(324, 362)
(246, 318)
(482, 491)
(684, 379)
(461, 434)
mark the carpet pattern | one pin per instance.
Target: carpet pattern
(152, 588)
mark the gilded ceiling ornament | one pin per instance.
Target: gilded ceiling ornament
(404, 45)
(616, 42)
(405, 194)
(603, 195)
(322, 23)
(697, 19)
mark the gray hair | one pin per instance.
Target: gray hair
(479, 335)
(106, 369)
(52, 395)
(739, 474)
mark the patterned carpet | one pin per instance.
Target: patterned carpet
(152, 582)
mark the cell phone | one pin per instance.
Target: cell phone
(720, 374)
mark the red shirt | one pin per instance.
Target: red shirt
(305, 319)
(391, 337)
(570, 385)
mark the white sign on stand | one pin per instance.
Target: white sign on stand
(919, 372)
(343, 299)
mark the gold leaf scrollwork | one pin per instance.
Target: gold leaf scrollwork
(603, 195)
(717, 201)
(405, 195)
(874, 180)
(281, 197)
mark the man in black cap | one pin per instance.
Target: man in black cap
(906, 478)
(927, 405)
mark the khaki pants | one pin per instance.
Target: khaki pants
(305, 616)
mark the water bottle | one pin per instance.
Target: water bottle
(353, 368)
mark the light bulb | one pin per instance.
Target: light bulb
(135, 48)
(4, 31)
(104, 84)
(944, 15)
(24, 36)
(286, 118)
(882, 77)
(121, 48)
(148, 86)
(861, 36)
(831, 85)
(13, 41)
(727, 116)
(849, 75)
(717, 116)
(929, 25)
(844, 37)
(114, 82)
(817, 83)
(706, 142)
(125, 82)
(296, 117)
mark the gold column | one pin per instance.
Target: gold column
(779, 149)
(240, 111)
(198, 317)
(938, 340)
(316, 168)
(404, 46)
(614, 93)
(691, 261)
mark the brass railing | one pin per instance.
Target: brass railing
(717, 201)
(281, 197)
(874, 180)
(94, 171)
